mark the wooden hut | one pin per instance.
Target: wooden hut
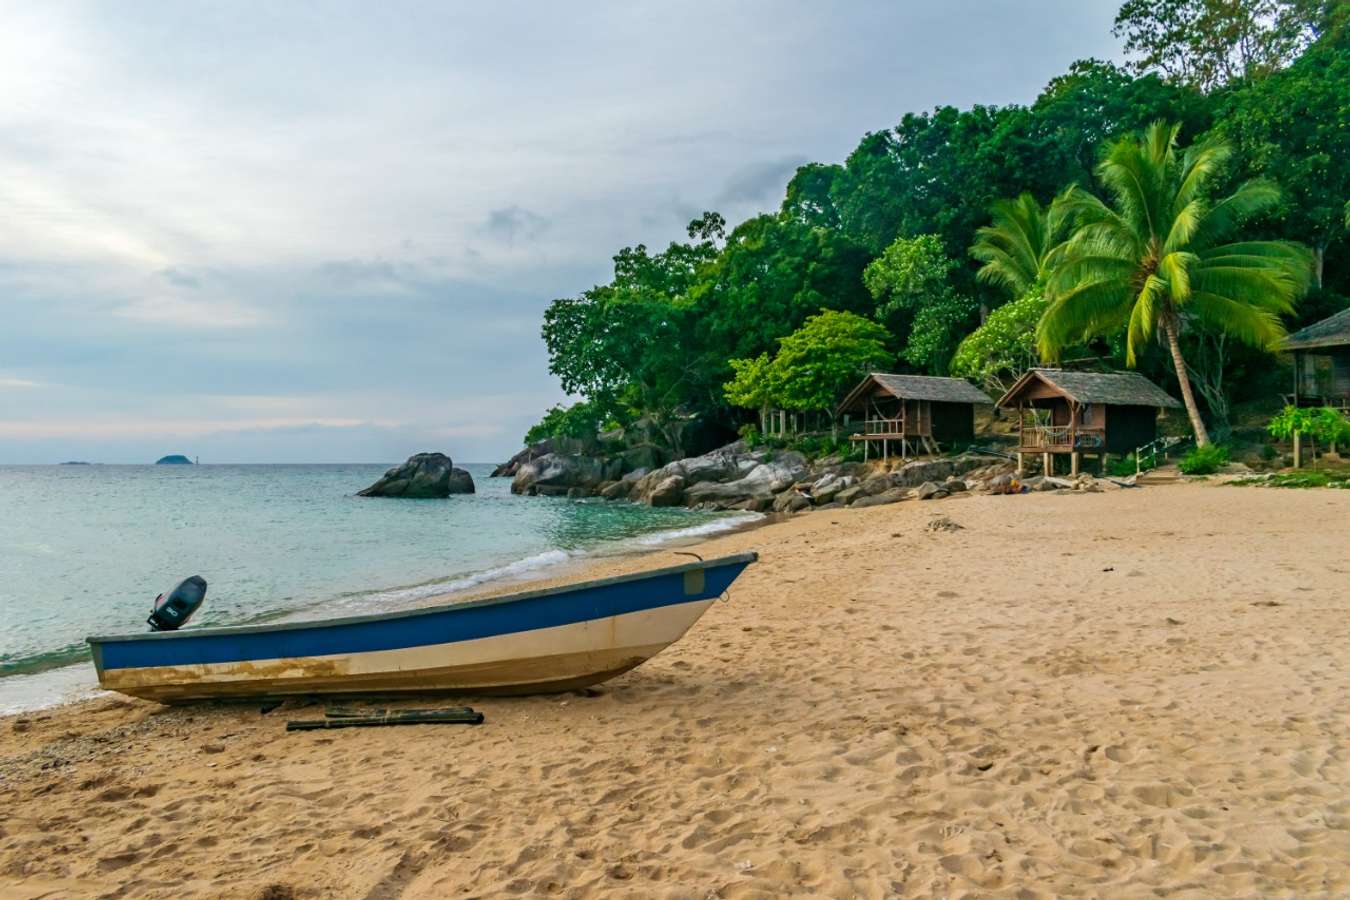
(911, 412)
(1076, 413)
(1322, 363)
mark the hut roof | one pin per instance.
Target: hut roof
(1333, 331)
(917, 387)
(1112, 389)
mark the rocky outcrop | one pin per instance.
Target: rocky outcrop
(564, 474)
(423, 475)
(741, 478)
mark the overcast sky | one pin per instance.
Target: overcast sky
(291, 232)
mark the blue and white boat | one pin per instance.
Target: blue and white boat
(532, 642)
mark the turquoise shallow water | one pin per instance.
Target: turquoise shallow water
(85, 549)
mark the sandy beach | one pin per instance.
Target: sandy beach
(1136, 693)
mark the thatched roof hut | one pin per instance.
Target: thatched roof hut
(1060, 411)
(918, 411)
(1322, 362)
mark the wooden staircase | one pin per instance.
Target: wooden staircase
(1160, 475)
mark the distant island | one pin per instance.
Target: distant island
(75, 462)
(173, 459)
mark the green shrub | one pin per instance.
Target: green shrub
(580, 420)
(1204, 460)
(1321, 423)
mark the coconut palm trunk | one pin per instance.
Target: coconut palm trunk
(1169, 331)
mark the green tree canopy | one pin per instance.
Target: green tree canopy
(911, 284)
(998, 352)
(1291, 126)
(633, 341)
(1209, 42)
(1156, 256)
(580, 420)
(814, 366)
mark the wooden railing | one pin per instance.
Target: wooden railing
(883, 426)
(1061, 437)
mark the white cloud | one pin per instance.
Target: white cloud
(184, 313)
(196, 171)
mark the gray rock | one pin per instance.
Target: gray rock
(558, 470)
(461, 482)
(955, 485)
(643, 458)
(849, 495)
(615, 490)
(894, 495)
(877, 484)
(668, 492)
(423, 475)
(764, 479)
(790, 501)
(825, 489)
(930, 490)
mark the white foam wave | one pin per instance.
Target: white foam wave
(714, 527)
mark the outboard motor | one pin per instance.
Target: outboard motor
(172, 610)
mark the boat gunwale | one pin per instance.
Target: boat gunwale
(746, 557)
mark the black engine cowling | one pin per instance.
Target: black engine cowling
(172, 610)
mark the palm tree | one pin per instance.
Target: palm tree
(1022, 244)
(1155, 257)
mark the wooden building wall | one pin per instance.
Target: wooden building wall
(953, 422)
(1128, 427)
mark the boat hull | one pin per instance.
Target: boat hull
(535, 642)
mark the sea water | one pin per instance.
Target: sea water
(84, 550)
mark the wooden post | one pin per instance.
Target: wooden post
(885, 448)
(1073, 464)
(1021, 464)
(1298, 450)
(1048, 464)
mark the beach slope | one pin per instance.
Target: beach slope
(1119, 694)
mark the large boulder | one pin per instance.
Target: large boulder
(556, 474)
(850, 494)
(931, 490)
(423, 475)
(764, 479)
(894, 495)
(669, 491)
(725, 464)
(825, 489)
(790, 502)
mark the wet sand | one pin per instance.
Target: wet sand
(1125, 694)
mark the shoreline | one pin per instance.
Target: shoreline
(1120, 693)
(66, 682)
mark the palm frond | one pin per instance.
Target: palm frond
(1143, 317)
(1246, 283)
(1201, 162)
(1223, 218)
(1260, 328)
(1175, 269)
(1081, 313)
(1185, 223)
(1125, 173)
